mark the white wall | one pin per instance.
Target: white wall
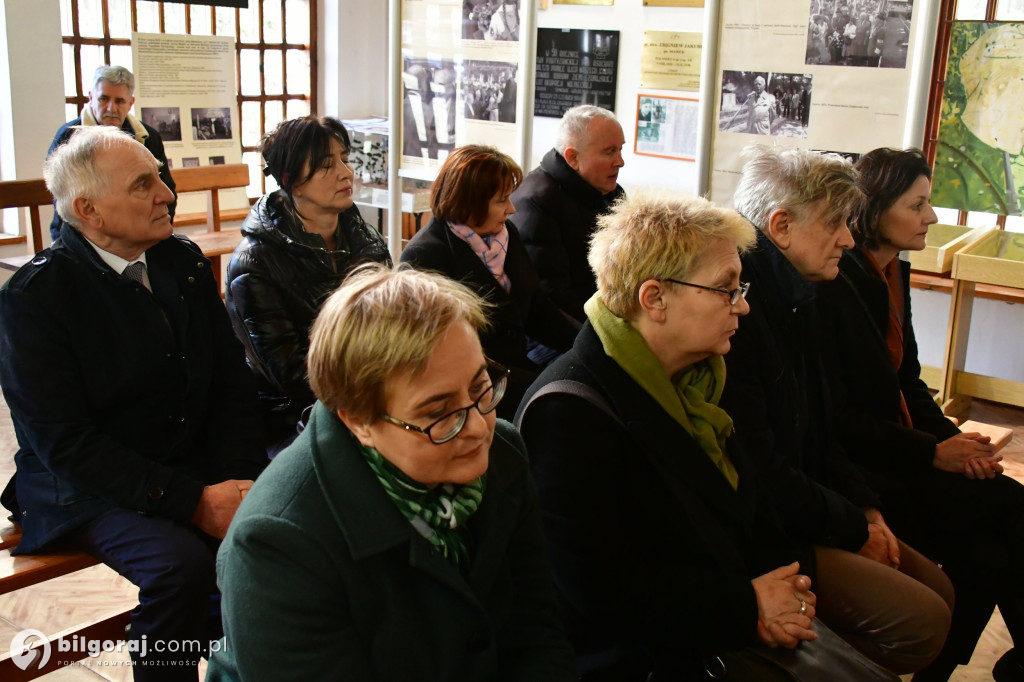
(631, 19)
(352, 58)
(31, 93)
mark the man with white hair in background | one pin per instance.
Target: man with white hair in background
(110, 101)
(558, 203)
(761, 109)
(136, 417)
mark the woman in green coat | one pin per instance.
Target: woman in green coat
(398, 538)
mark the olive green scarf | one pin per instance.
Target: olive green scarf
(439, 514)
(691, 397)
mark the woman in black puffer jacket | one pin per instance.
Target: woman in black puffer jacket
(300, 243)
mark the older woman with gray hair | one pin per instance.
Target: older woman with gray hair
(667, 557)
(399, 537)
(886, 599)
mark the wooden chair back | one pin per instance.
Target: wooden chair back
(29, 194)
(211, 179)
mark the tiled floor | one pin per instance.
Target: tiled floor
(98, 590)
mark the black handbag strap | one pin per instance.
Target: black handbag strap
(576, 388)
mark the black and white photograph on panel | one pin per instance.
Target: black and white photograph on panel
(428, 121)
(211, 123)
(489, 91)
(765, 103)
(165, 120)
(849, 156)
(872, 33)
(490, 20)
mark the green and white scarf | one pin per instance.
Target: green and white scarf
(439, 514)
(691, 397)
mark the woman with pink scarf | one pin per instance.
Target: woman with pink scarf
(470, 239)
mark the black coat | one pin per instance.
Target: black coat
(927, 507)
(653, 551)
(782, 405)
(154, 143)
(855, 315)
(277, 279)
(556, 212)
(523, 311)
(120, 397)
(974, 528)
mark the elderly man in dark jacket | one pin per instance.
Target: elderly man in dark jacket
(558, 204)
(110, 102)
(135, 414)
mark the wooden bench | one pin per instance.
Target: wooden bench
(212, 179)
(17, 572)
(30, 194)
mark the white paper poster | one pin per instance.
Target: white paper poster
(185, 89)
(823, 75)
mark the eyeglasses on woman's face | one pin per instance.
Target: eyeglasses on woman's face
(734, 295)
(450, 425)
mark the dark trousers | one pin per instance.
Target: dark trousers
(975, 529)
(174, 568)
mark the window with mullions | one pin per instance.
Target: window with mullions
(275, 55)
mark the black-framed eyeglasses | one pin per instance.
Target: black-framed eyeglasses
(450, 425)
(734, 295)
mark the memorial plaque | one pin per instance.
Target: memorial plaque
(575, 66)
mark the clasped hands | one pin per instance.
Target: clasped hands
(970, 454)
(218, 505)
(785, 607)
(882, 545)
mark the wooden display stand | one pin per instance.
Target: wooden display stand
(995, 258)
(942, 244)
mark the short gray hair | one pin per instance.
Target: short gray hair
(575, 123)
(70, 171)
(796, 180)
(115, 75)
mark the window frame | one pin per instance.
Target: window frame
(77, 41)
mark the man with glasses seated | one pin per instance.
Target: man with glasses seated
(398, 537)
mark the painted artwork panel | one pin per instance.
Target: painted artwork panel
(978, 163)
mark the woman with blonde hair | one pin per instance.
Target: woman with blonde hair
(398, 538)
(667, 558)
